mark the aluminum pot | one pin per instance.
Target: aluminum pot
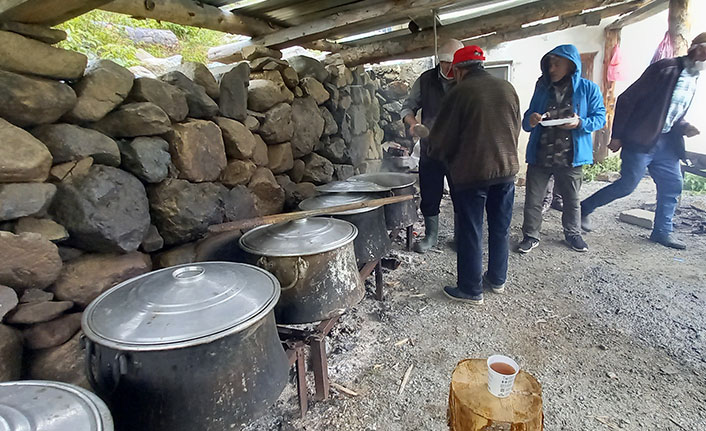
(314, 260)
(402, 214)
(372, 242)
(191, 347)
(40, 405)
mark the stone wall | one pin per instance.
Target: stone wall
(105, 176)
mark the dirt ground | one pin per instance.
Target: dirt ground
(616, 336)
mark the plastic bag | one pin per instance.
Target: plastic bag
(615, 70)
(665, 49)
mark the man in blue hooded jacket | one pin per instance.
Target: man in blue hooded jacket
(561, 93)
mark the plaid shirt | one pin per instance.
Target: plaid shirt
(681, 98)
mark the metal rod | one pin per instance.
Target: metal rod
(436, 41)
(378, 281)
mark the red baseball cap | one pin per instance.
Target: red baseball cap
(468, 53)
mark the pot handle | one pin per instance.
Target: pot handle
(300, 268)
(118, 368)
(88, 362)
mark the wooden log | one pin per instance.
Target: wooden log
(641, 14)
(473, 408)
(602, 137)
(45, 12)
(680, 25)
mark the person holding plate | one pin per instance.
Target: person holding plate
(565, 110)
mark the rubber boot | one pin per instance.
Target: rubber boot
(431, 235)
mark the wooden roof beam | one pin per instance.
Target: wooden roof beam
(45, 12)
(647, 11)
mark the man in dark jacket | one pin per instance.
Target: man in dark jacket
(475, 136)
(649, 126)
(426, 94)
(561, 150)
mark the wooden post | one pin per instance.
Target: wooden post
(602, 137)
(679, 25)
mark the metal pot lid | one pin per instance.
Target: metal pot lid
(299, 237)
(336, 199)
(37, 405)
(393, 180)
(352, 187)
(181, 306)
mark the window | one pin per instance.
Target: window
(500, 69)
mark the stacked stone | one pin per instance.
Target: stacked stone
(392, 95)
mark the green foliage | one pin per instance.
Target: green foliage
(694, 183)
(101, 34)
(610, 164)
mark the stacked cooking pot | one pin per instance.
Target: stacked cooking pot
(399, 215)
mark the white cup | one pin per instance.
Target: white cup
(500, 384)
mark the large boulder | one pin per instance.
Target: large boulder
(200, 105)
(8, 301)
(396, 90)
(239, 204)
(297, 172)
(63, 363)
(53, 333)
(233, 102)
(197, 150)
(318, 170)
(308, 126)
(237, 172)
(47, 228)
(36, 312)
(280, 158)
(103, 87)
(10, 354)
(359, 147)
(359, 119)
(277, 127)
(263, 95)
(28, 101)
(330, 126)
(23, 158)
(199, 73)
(276, 77)
(259, 154)
(295, 193)
(28, 261)
(269, 196)
(23, 55)
(135, 119)
(182, 211)
(104, 211)
(25, 199)
(343, 172)
(238, 139)
(333, 149)
(68, 142)
(147, 158)
(168, 97)
(87, 276)
(290, 77)
(307, 66)
(314, 88)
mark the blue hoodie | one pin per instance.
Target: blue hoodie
(588, 104)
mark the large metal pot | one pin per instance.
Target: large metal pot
(191, 347)
(402, 214)
(372, 242)
(40, 405)
(314, 260)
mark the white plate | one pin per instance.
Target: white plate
(557, 122)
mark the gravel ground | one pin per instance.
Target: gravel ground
(616, 336)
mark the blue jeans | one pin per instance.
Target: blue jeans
(470, 205)
(663, 165)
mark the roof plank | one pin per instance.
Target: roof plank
(641, 14)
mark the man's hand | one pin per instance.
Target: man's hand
(615, 145)
(411, 121)
(690, 131)
(420, 131)
(534, 119)
(573, 125)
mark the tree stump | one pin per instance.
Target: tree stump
(473, 408)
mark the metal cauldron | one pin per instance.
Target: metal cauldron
(372, 242)
(399, 215)
(40, 405)
(192, 347)
(314, 260)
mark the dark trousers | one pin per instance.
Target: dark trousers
(431, 184)
(470, 205)
(568, 181)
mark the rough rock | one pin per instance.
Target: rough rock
(64, 363)
(146, 157)
(298, 92)
(70, 171)
(609, 177)
(252, 123)
(104, 211)
(307, 66)
(197, 150)
(290, 77)
(359, 119)
(104, 86)
(8, 301)
(343, 172)
(259, 154)
(200, 74)
(333, 149)
(47, 228)
(10, 354)
(638, 217)
(86, 277)
(369, 166)
(142, 72)
(36, 312)
(238, 140)
(182, 211)
(233, 102)
(168, 97)
(396, 90)
(295, 193)
(252, 52)
(237, 172)
(69, 253)
(276, 77)
(267, 63)
(68, 142)
(269, 196)
(135, 119)
(200, 105)
(308, 126)
(360, 95)
(25, 199)
(152, 241)
(23, 55)
(179, 255)
(359, 146)
(239, 204)
(36, 295)
(34, 31)
(280, 158)
(28, 101)
(345, 102)
(28, 261)
(330, 126)
(318, 170)
(277, 126)
(53, 333)
(263, 95)
(297, 172)
(311, 87)
(22, 157)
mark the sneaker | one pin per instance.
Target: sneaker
(667, 240)
(586, 224)
(495, 288)
(458, 295)
(577, 243)
(527, 245)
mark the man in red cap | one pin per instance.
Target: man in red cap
(475, 136)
